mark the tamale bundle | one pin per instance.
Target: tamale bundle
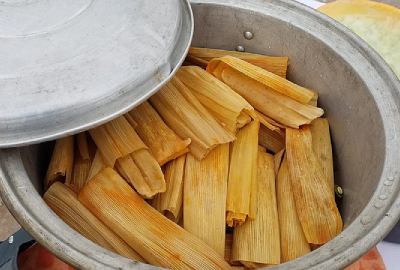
(61, 163)
(293, 241)
(316, 206)
(204, 197)
(162, 142)
(169, 203)
(322, 146)
(276, 65)
(256, 242)
(272, 95)
(225, 104)
(96, 166)
(185, 115)
(242, 182)
(64, 202)
(80, 171)
(156, 238)
(271, 140)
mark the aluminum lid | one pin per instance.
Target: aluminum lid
(67, 66)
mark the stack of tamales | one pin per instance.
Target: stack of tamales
(227, 166)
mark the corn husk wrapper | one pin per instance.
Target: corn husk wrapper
(273, 104)
(269, 123)
(276, 65)
(131, 121)
(116, 139)
(156, 238)
(83, 147)
(278, 158)
(193, 60)
(142, 171)
(169, 203)
(314, 99)
(271, 140)
(61, 162)
(228, 250)
(262, 148)
(64, 202)
(256, 242)
(315, 203)
(96, 166)
(225, 104)
(266, 78)
(185, 115)
(242, 188)
(322, 146)
(204, 197)
(80, 171)
(293, 240)
(162, 142)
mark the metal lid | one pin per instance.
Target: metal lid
(67, 66)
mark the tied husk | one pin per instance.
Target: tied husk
(293, 241)
(315, 203)
(64, 202)
(266, 78)
(185, 115)
(276, 65)
(116, 139)
(256, 242)
(156, 238)
(204, 197)
(273, 104)
(225, 104)
(162, 142)
(61, 162)
(242, 189)
(322, 146)
(169, 203)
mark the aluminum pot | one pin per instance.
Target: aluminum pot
(358, 91)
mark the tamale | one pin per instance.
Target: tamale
(80, 171)
(204, 197)
(64, 202)
(170, 202)
(315, 202)
(278, 157)
(61, 162)
(271, 140)
(162, 142)
(116, 139)
(132, 174)
(83, 147)
(218, 65)
(129, 118)
(97, 165)
(293, 240)
(256, 242)
(159, 240)
(150, 170)
(273, 104)
(276, 65)
(185, 115)
(321, 141)
(224, 103)
(242, 175)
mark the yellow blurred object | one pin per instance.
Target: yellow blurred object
(378, 24)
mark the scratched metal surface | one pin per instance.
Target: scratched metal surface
(69, 65)
(359, 93)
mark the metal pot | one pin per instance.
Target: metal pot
(358, 91)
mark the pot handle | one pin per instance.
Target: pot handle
(10, 248)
